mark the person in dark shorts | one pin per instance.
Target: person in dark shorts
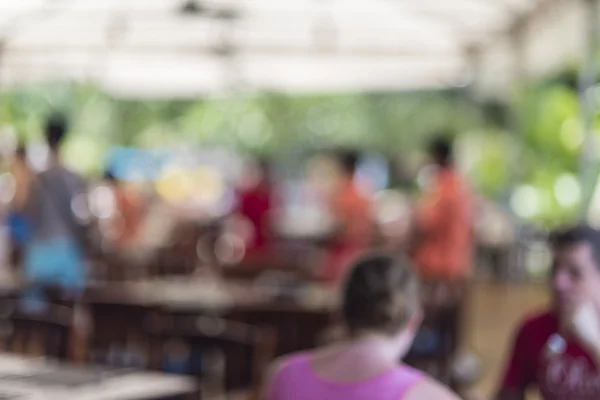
(443, 252)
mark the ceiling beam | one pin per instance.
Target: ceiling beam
(454, 17)
(519, 25)
(32, 16)
(216, 49)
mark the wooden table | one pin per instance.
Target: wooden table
(297, 319)
(120, 311)
(33, 379)
(213, 296)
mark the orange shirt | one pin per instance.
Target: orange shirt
(444, 221)
(352, 210)
(23, 177)
(130, 208)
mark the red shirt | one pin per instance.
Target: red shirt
(255, 205)
(567, 374)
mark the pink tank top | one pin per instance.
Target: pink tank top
(298, 381)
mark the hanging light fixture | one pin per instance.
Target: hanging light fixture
(192, 8)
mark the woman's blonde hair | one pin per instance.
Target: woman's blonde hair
(381, 294)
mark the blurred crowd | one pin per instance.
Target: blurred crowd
(338, 200)
(342, 219)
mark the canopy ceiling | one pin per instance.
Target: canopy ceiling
(181, 48)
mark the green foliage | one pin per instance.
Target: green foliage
(265, 123)
(552, 142)
(272, 123)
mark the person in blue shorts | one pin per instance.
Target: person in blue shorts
(54, 255)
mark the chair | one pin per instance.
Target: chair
(232, 355)
(190, 246)
(436, 343)
(119, 333)
(297, 328)
(46, 332)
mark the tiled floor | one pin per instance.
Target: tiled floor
(494, 314)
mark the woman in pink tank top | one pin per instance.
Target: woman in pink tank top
(382, 314)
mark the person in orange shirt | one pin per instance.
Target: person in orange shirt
(129, 216)
(444, 221)
(351, 210)
(19, 222)
(444, 249)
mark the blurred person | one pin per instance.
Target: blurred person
(444, 247)
(256, 207)
(381, 312)
(558, 351)
(18, 222)
(393, 210)
(129, 212)
(495, 233)
(23, 175)
(158, 226)
(444, 221)
(55, 254)
(354, 224)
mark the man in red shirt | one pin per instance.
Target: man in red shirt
(255, 205)
(558, 351)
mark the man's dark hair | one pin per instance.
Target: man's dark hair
(577, 235)
(349, 161)
(441, 151)
(56, 129)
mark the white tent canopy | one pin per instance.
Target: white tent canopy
(178, 48)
